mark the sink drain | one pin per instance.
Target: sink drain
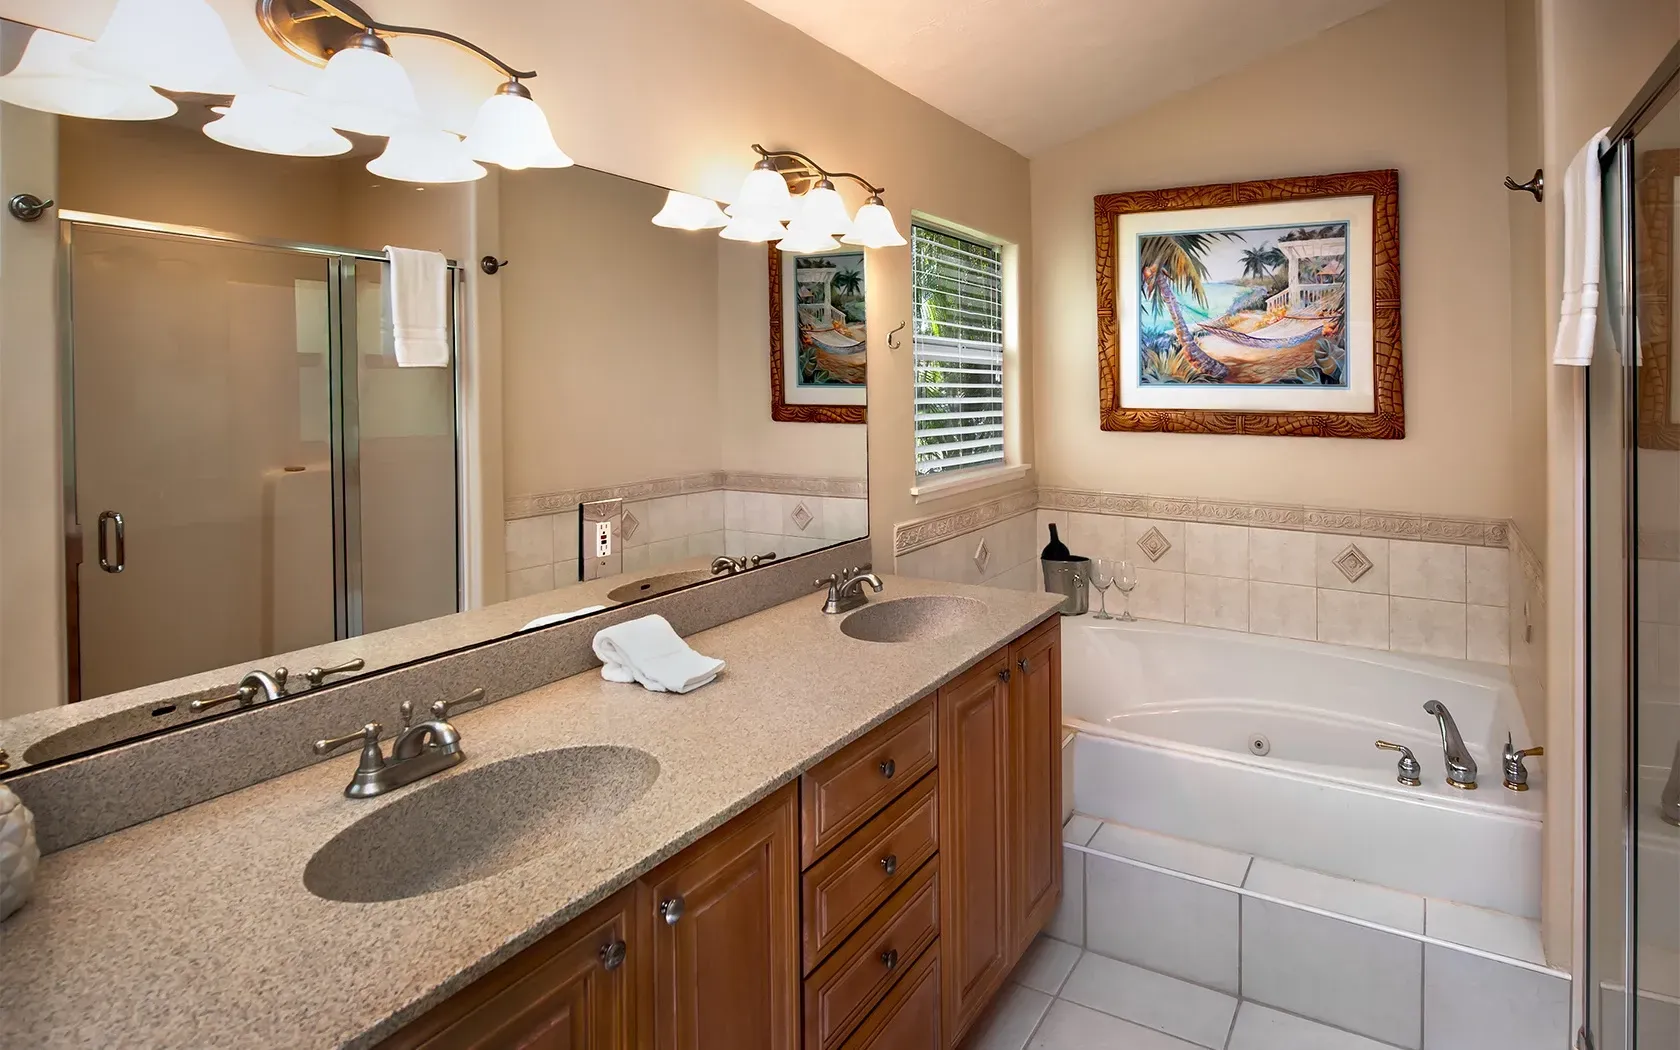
(1258, 744)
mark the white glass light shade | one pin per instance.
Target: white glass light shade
(178, 45)
(50, 78)
(822, 209)
(749, 228)
(805, 240)
(366, 91)
(270, 120)
(426, 156)
(874, 227)
(512, 130)
(685, 211)
(764, 195)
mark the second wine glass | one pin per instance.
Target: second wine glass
(1125, 578)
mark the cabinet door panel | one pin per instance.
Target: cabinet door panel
(726, 971)
(974, 840)
(1036, 782)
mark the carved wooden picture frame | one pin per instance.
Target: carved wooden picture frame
(781, 410)
(1659, 409)
(1384, 418)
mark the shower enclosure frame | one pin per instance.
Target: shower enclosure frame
(343, 413)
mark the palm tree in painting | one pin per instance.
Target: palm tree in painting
(1261, 261)
(1174, 261)
(847, 282)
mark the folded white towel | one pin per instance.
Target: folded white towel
(648, 651)
(1583, 256)
(544, 621)
(419, 284)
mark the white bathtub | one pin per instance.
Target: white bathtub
(1166, 716)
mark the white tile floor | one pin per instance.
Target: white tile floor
(1062, 998)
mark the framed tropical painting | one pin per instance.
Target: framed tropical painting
(1267, 307)
(818, 337)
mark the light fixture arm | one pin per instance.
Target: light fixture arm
(354, 15)
(874, 190)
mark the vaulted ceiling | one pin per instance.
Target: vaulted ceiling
(1036, 73)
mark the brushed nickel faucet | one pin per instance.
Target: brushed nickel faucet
(1461, 767)
(417, 752)
(723, 565)
(271, 686)
(845, 588)
(1516, 774)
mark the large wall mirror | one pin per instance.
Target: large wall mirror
(215, 464)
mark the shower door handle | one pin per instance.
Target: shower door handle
(105, 560)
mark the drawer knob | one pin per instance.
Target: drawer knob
(888, 768)
(889, 958)
(671, 910)
(612, 955)
(1003, 675)
(889, 864)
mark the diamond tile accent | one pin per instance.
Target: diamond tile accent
(982, 555)
(1352, 563)
(1153, 544)
(801, 516)
(629, 525)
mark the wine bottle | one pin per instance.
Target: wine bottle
(1055, 550)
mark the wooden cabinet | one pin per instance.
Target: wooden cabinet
(974, 721)
(570, 991)
(845, 790)
(722, 928)
(1035, 789)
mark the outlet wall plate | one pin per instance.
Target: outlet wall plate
(591, 517)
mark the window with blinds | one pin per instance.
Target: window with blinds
(958, 345)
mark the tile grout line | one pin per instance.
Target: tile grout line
(1232, 1030)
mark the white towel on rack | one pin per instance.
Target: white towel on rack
(1583, 256)
(419, 283)
(648, 651)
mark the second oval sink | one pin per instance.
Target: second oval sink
(479, 823)
(916, 619)
(649, 586)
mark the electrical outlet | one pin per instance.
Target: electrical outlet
(603, 539)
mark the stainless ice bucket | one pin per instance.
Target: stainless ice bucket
(1072, 580)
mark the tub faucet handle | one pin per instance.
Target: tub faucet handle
(1516, 774)
(1410, 772)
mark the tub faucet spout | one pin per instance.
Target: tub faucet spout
(1461, 767)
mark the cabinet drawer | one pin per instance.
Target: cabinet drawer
(908, 1018)
(847, 986)
(854, 879)
(839, 795)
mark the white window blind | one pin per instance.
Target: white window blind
(958, 346)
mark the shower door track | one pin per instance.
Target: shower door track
(344, 411)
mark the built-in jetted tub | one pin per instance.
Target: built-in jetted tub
(1268, 746)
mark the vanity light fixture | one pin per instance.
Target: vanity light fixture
(421, 155)
(365, 90)
(177, 45)
(815, 217)
(512, 131)
(685, 211)
(50, 78)
(270, 120)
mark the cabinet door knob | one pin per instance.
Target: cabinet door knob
(1025, 665)
(671, 910)
(612, 955)
(1003, 675)
(888, 769)
(889, 958)
(889, 864)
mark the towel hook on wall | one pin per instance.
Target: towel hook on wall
(892, 336)
(1535, 185)
(490, 264)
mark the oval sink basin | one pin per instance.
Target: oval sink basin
(652, 585)
(915, 619)
(479, 823)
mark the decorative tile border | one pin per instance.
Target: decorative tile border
(1474, 532)
(1533, 569)
(704, 481)
(923, 532)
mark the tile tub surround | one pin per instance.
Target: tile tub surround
(1002, 553)
(221, 883)
(96, 794)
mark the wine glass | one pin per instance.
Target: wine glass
(1126, 578)
(1102, 578)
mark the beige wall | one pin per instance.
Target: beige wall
(1416, 85)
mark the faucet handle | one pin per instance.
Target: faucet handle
(317, 675)
(1516, 774)
(1410, 772)
(441, 708)
(831, 580)
(368, 736)
(759, 559)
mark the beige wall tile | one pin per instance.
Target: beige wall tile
(530, 543)
(566, 572)
(1283, 609)
(566, 541)
(1173, 531)
(1487, 572)
(1418, 625)
(1426, 570)
(1216, 550)
(845, 518)
(1331, 546)
(1487, 633)
(1353, 618)
(814, 507)
(705, 511)
(641, 534)
(1282, 556)
(522, 583)
(1216, 601)
(1096, 535)
(667, 518)
(1659, 591)
(1159, 595)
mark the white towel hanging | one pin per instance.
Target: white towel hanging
(1583, 256)
(419, 284)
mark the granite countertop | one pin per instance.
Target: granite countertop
(195, 930)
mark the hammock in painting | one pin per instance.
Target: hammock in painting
(1279, 335)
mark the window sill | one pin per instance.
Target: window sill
(940, 486)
